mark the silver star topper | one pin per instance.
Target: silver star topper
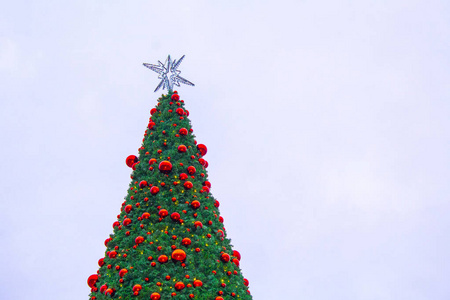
(168, 73)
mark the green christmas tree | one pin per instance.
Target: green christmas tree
(169, 240)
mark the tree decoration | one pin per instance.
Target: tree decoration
(178, 254)
(202, 148)
(131, 159)
(237, 254)
(92, 280)
(165, 166)
(169, 241)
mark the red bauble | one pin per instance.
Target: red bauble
(198, 224)
(139, 240)
(163, 259)
(188, 185)
(183, 176)
(179, 285)
(175, 97)
(225, 257)
(195, 204)
(92, 280)
(128, 208)
(218, 298)
(175, 216)
(110, 292)
(183, 131)
(131, 160)
(165, 166)
(145, 215)
(180, 111)
(179, 255)
(153, 110)
(155, 296)
(127, 222)
(220, 219)
(216, 203)
(154, 190)
(123, 272)
(163, 213)
(112, 254)
(191, 170)
(101, 262)
(202, 161)
(143, 184)
(236, 261)
(198, 283)
(202, 148)
(245, 282)
(137, 288)
(152, 161)
(207, 183)
(151, 125)
(186, 241)
(134, 165)
(237, 254)
(103, 288)
(182, 148)
(205, 188)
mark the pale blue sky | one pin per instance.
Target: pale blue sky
(327, 126)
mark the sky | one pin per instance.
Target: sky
(327, 127)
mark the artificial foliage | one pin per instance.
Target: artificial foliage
(169, 240)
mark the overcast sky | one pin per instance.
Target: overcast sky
(327, 127)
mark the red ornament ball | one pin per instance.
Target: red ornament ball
(137, 288)
(195, 204)
(245, 282)
(202, 148)
(179, 285)
(131, 160)
(152, 161)
(101, 262)
(198, 283)
(128, 208)
(207, 183)
(154, 190)
(191, 170)
(139, 240)
(219, 298)
(183, 131)
(143, 184)
(175, 97)
(183, 176)
(182, 148)
(198, 224)
(186, 241)
(180, 111)
(236, 261)
(123, 272)
(127, 222)
(179, 255)
(188, 185)
(163, 213)
(216, 203)
(145, 215)
(155, 296)
(163, 259)
(153, 110)
(225, 257)
(237, 254)
(165, 166)
(175, 216)
(110, 292)
(92, 280)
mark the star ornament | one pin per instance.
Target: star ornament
(168, 73)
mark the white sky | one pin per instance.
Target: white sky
(327, 126)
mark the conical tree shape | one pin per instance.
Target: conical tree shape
(169, 241)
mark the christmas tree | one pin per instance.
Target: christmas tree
(169, 240)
